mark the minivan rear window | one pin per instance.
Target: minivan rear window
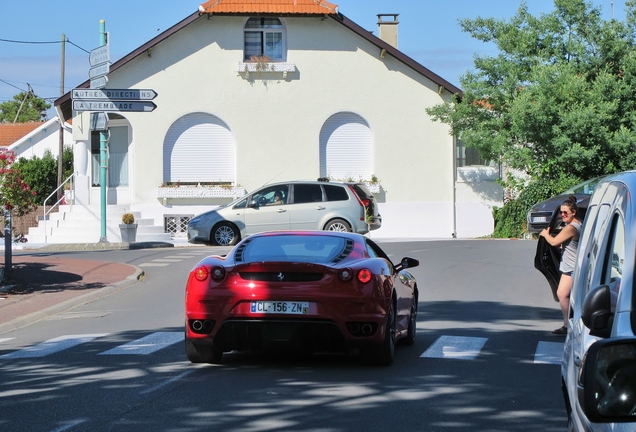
(362, 191)
(335, 193)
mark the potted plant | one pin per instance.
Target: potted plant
(128, 228)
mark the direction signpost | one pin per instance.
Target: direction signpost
(99, 99)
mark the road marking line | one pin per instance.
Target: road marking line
(5, 339)
(148, 344)
(52, 346)
(167, 382)
(153, 264)
(167, 260)
(69, 425)
(548, 353)
(455, 347)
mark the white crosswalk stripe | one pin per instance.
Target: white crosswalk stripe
(548, 353)
(153, 264)
(445, 347)
(148, 344)
(52, 346)
(455, 347)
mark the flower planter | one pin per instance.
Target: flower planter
(128, 233)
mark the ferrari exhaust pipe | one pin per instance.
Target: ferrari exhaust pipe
(367, 329)
(197, 325)
(354, 328)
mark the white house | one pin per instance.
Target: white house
(251, 92)
(34, 139)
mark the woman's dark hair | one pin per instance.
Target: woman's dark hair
(571, 203)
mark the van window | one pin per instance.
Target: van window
(591, 252)
(335, 193)
(307, 193)
(614, 259)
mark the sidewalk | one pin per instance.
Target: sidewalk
(40, 285)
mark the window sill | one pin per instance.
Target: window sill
(189, 192)
(268, 67)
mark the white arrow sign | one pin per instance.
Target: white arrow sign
(98, 71)
(106, 105)
(114, 94)
(99, 82)
(99, 55)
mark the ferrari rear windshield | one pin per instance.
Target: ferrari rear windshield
(294, 248)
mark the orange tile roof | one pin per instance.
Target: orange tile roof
(11, 132)
(305, 7)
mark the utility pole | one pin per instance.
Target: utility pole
(60, 157)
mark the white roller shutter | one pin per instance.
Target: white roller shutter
(199, 148)
(346, 148)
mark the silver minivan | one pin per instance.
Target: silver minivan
(294, 205)
(598, 369)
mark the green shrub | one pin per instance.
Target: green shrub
(510, 220)
(40, 174)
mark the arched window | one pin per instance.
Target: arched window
(346, 148)
(264, 37)
(199, 148)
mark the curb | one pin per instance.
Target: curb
(72, 303)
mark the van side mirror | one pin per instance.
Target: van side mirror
(597, 313)
(252, 204)
(607, 384)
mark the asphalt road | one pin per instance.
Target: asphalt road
(484, 358)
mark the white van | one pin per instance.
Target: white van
(598, 369)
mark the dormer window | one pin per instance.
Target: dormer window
(264, 37)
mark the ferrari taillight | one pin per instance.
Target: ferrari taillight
(364, 275)
(218, 273)
(345, 274)
(200, 273)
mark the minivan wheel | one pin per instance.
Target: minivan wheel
(225, 234)
(338, 225)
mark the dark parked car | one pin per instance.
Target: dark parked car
(301, 205)
(542, 212)
(308, 291)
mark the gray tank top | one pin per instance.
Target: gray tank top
(568, 256)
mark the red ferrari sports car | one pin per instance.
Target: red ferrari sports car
(311, 291)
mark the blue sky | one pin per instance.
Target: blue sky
(428, 32)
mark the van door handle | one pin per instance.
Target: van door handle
(280, 210)
(577, 361)
(320, 208)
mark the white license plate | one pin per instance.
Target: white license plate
(280, 307)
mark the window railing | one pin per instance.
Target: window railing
(265, 67)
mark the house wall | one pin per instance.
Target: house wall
(43, 138)
(276, 121)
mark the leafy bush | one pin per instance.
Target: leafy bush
(41, 173)
(510, 220)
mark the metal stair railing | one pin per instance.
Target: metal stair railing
(70, 195)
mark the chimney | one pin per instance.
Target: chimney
(388, 29)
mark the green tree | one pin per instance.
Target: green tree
(26, 106)
(41, 173)
(555, 104)
(558, 98)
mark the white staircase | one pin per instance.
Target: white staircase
(82, 224)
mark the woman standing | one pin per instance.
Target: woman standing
(568, 239)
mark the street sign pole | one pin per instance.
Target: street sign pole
(103, 156)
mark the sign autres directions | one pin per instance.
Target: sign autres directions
(114, 94)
